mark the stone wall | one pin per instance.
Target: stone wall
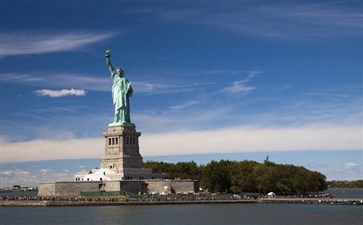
(68, 188)
(75, 188)
(172, 186)
(46, 189)
(134, 186)
(158, 186)
(112, 186)
(185, 186)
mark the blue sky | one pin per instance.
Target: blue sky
(209, 77)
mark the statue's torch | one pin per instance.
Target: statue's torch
(108, 53)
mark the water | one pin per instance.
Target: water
(241, 214)
(346, 193)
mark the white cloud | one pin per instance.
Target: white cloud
(44, 170)
(96, 83)
(9, 177)
(60, 93)
(43, 149)
(23, 78)
(238, 86)
(156, 87)
(184, 105)
(164, 87)
(252, 139)
(232, 139)
(15, 172)
(60, 80)
(252, 74)
(275, 20)
(180, 118)
(350, 165)
(22, 43)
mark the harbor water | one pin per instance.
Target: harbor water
(211, 214)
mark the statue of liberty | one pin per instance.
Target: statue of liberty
(121, 92)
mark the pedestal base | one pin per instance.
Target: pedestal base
(120, 124)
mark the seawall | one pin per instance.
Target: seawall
(109, 202)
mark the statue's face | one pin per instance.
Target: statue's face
(120, 72)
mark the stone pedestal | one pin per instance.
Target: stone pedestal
(122, 153)
(122, 160)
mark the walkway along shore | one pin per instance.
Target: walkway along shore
(111, 201)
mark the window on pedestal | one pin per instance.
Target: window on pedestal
(116, 141)
(109, 141)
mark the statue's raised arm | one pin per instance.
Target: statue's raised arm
(108, 61)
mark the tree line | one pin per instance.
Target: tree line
(245, 176)
(345, 184)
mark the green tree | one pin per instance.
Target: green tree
(217, 176)
(187, 170)
(243, 179)
(248, 176)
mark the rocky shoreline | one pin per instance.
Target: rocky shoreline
(110, 202)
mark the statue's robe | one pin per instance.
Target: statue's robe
(121, 91)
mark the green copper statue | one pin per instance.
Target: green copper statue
(121, 92)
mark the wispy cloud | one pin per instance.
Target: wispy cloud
(272, 20)
(32, 177)
(310, 126)
(350, 165)
(59, 80)
(252, 139)
(23, 43)
(96, 83)
(240, 85)
(183, 117)
(229, 139)
(283, 87)
(350, 170)
(44, 149)
(161, 87)
(22, 78)
(184, 105)
(60, 93)
(14, 172)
